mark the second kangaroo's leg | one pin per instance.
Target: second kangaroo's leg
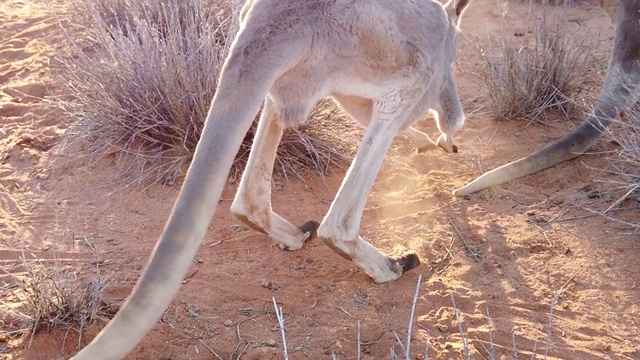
(449, 115)
(421, 140)
(252, 203)
(360, 109)
(341, 225)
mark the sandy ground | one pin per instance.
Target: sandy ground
(533, 243)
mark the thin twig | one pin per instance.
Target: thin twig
(247, 319)
(341, 309)
(621, 199)
(426, 348)
(453, 238)
(393, 354)
(211, 350)
(515, 346)
(404, 349)
(358, 340)
(281, 323)
(243, 350)
(572, 218)
(562, 288)
(413, 312)
(553, 303)
(620, 221)
(464, 339)
(186, 278)
(466, 244)
(492, 353)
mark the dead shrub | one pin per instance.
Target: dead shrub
(625, 163)
(545, 73)
(46, 297)
(142, 80)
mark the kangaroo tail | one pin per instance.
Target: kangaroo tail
(242, 87)
(620, 90)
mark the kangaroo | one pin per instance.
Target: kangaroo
(619, 92)
(385, 62)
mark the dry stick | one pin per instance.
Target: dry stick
(464, 339)
(426, 348)
(211, 350)
(453, 238)
(557, 215)
(544, 233)
(492, 354)
(622, 198)
(371, 342)
(573, 218)
(393, 354)
(533, 353)
(244, 350)
(565, 284)
(186, 278)
(600, 213)
(466, 244)
(358, 340)
(515, 347)
(404, 350)
(413, 312)
(240, 339)
(281, 323)
(341, 309)
(247, 319)
(553, 304)
(482, 344)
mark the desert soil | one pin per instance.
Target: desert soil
(553, 276)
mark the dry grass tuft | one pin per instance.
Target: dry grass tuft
(141, 82)
(546, 72)
(625, 163)
(627, 160)
(55, 296)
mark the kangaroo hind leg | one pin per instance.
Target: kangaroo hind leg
(252, 203)
(340, 227)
